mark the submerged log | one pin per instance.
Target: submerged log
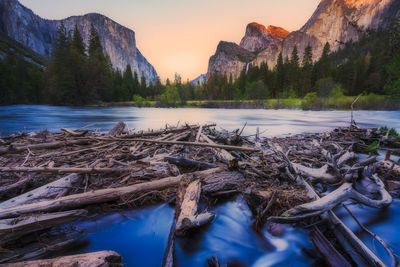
(169, 255)
(100, 196)
(11, 229)
(94, 259)
(41, 192)
(189, 217)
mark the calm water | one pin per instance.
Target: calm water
(140, 236)
(273, 122)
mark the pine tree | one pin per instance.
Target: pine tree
(280, 76)
(295, 71)
(307, 66)
(127, 84)
(77, 42)
(143, 86)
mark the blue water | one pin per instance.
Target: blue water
(140, 236)
(271, 122)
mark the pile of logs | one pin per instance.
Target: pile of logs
(48, 180)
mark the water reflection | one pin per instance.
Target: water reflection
(275, 122)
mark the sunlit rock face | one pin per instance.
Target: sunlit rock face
(258, 38)
(119, 42)
(334, 21)
(339, 21)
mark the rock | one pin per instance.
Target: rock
(258, 38)
(119, 42)
(229, 58)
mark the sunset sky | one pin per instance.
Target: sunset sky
(181, 35)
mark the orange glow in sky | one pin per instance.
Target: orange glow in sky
(181, 35)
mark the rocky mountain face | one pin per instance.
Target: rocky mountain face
(258, 38)
(339, 21)
(119, 42)
(334, 21)
(231, 58)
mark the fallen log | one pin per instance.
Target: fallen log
(222, 154)
(316, 175)
(189, 217)
(100, 196)
(57, 170)
(169, 255)
(187, 163)
(51, 145)
(12, 229)
(167, 130)
(94, 259)
(41, 192)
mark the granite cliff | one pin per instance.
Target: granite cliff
(27, 28)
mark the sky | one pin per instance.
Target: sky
(179, 36)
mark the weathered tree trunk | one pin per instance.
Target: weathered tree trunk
(94, 259)
(68, 170)
(189, 217)
(41, 192)
(99, 196)
(222, 154)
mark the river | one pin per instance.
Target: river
(140, 235)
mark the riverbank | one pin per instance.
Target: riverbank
(368, 102)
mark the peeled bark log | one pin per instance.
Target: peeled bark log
(316, 175)
(100, 196)
(11, 229)
(41, 192)
(188, 217)
(338, 196)
(94, 259)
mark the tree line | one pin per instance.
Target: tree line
(80, 75)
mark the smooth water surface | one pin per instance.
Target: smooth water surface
(271, 122)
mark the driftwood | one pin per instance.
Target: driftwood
(51, 145)
(21, 183)
(187, 163)
(11, 229)
(73, 133)
(167, 131)
(234, 148)
(189, 217)
(94, 259)
(224, 155)
(99, 196)
(118, 129)
(41, 193)
(68, 170)
(169, 255)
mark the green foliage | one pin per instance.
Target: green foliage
(311, 101)
(170, 97)
(372, 148)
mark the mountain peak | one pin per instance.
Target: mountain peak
(258, 37)
(277, 31)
